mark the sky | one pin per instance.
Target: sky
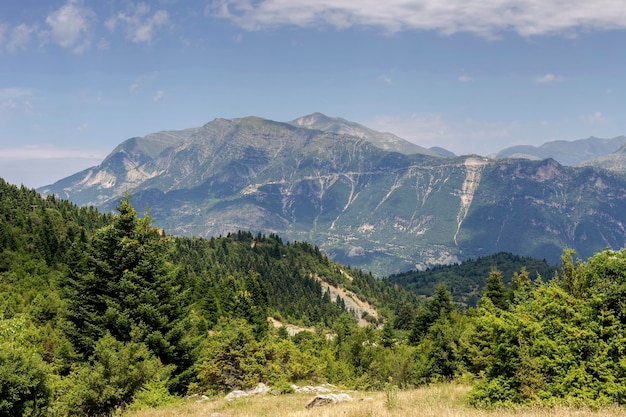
(78, 77)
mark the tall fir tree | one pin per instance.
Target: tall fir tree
(128, 290)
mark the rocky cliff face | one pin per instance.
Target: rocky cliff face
(386, 211)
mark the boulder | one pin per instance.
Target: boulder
(236, 394)
(327, 399)
(261, 388)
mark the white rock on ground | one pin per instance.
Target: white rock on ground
(327, 399)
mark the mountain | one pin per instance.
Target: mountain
(565, 152)
(364, 206)
(382, 140)
(615, 161)
(441, 151)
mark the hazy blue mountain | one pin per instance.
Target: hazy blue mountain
(443, 152)
(615, 161)
(385, 211)
(569, 153)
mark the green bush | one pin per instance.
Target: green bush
(118, 371)
(24, 384)
(153, 394)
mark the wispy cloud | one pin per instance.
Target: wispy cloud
(548, 78)
(486, 18)
(386, 79)
(16, 98)
(462, 137)
(48, 152)
(15, 92)
(71, 26)
(140, 23)
(465, 78)
(19, 37)
(141, 81)
(595, 118)
(158, 95)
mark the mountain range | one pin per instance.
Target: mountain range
(368, 199)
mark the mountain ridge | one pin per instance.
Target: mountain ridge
(569, 153)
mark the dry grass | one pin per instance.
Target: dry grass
(434, 401)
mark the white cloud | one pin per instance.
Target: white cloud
(141, 81)
(465, 78)
(158, 95)
(548, 78)
(70, 26)
(140, 23)
(19, 37)
(595, 118)
(487, 18)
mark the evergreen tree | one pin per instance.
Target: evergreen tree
(495, 291)
(387, 335)
(128, 289)
(440, 306)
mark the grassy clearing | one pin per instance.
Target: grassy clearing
(447, 400)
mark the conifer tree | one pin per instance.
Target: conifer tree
(128, 288)
(495, 290)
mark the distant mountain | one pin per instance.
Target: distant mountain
(568, 153)
(381, 210)
(615, 161)
(442, 152)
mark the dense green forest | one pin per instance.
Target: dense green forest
(466, 280)
(101, 312)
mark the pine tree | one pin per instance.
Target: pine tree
(495, 290)
(129, 289)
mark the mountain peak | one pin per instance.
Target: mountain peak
(383, 140)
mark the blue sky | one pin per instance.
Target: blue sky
(78, 77)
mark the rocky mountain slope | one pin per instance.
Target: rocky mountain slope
(385, 211)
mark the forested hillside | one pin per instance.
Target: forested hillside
(105, 312)
(466, 280)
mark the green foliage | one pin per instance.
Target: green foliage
(495, 291)
(152, 394)
(24, 382)
(102, 312)
(467, 280)
(117, 371)
(391, 395)
(231, 359)
(562, 342)
(129, 290)
(439, 307)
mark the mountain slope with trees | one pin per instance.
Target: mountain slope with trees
(121, 315)
(466, 280)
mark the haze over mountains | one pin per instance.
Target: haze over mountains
(367, 198)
